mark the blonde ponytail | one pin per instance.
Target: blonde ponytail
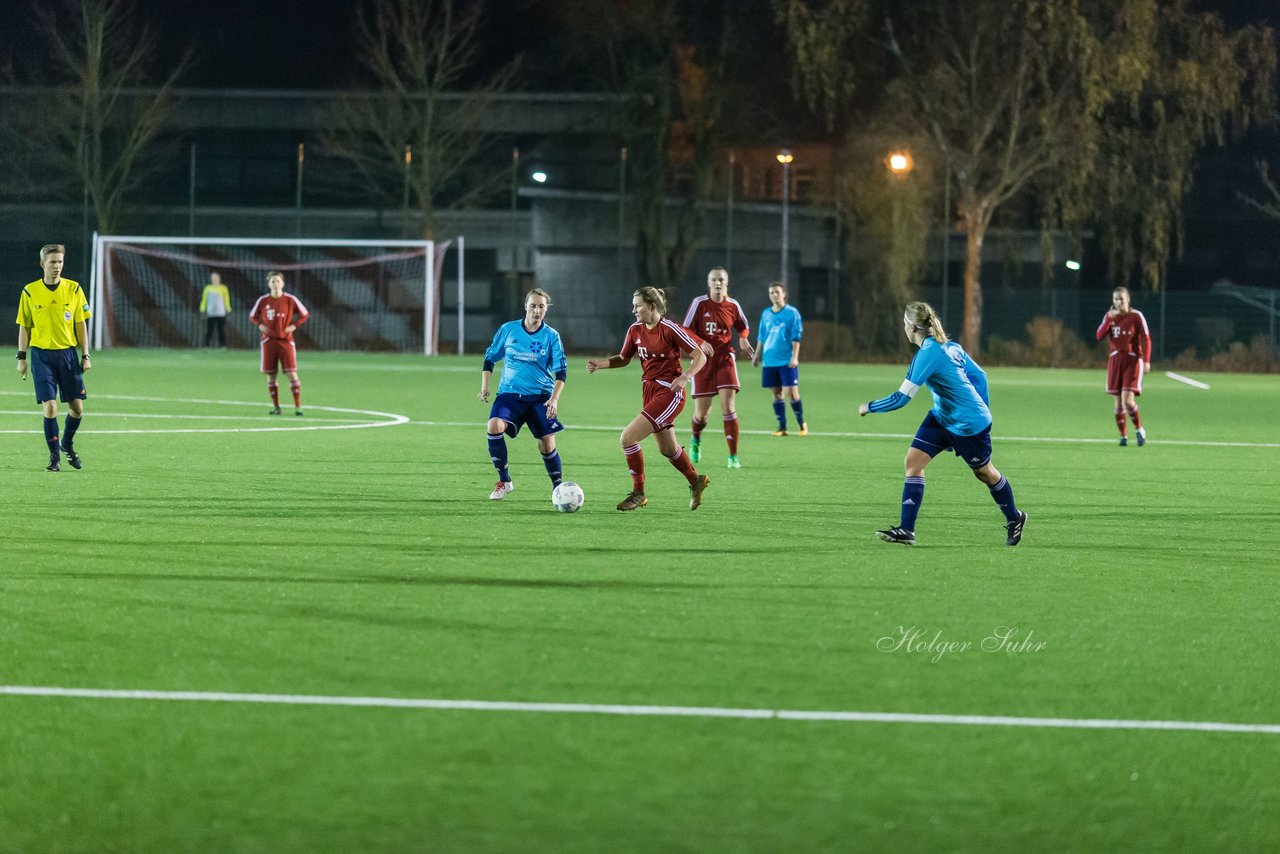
(922, 316)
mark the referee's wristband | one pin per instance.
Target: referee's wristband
(22, 354)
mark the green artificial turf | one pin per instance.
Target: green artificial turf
(369, 562)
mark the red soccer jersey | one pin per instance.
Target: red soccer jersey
(716, 322)
(659, 349)
(1128, 334)
(278, 313)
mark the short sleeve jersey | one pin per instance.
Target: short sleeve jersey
(1128, 334)
(278, 314)
(716, 322)
(778, 330)
(659, 349)
(52, 314)
(530, 360)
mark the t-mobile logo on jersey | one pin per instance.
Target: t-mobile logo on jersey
(711, 327)
(271, 313)
(644, 354)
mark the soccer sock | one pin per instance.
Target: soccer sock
(682, 464)
(295, 386)
(1124, 428)
(635, 464)
(731, 432)
(498, 453)
(697, 426)
(552, 462)
(51, 436)
(69, 431)
(273, 388)
(1137, 418)
(780, 412)
(1002, 494)
(912, 498)
(798, 408)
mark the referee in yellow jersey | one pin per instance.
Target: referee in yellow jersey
(51, 320)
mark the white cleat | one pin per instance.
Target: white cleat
(501, 490)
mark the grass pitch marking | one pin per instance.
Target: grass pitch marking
(636, 711)
(1180, 378)
(373, 418)
(1057, 440)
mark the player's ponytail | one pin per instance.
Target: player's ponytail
(653, 297)
(922, 316)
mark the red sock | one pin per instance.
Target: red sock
(635, 463)
(682, 464)
(1124, 428)
(731, 433)
(697, 427)
(274, 388)
(296, 387)
(1137, 419)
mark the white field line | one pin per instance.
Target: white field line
(1180, 378)
(1061, 440)
(173, 416)
(636, 711)
(385, 419)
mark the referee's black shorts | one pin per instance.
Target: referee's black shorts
(55, 371)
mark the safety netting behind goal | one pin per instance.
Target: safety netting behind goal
(362, 295)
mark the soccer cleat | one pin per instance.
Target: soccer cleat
(898, 535)
(633, 501)
(274, 411)
(733, 462)
(53, 465)
(695, 451)
(781, 432)
(1142, 437)
(804, 429)
(501, 490)
(1014, 530)
(1124, 441)
(72, 457)
(297, 412)
(695, 492)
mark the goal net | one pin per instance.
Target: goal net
(362, 294)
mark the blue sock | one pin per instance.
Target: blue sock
(69, 431)
(498, 453)
(1002, 494)
(51, 436)
(552, 462)
(780, 410)
(798, 408)
(912, 498)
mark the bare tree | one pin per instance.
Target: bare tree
(104, 126)
(414, 132)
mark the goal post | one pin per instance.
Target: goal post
(380, 295)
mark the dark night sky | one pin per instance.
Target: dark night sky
(270, 44)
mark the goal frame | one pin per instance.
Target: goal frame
(101, 243)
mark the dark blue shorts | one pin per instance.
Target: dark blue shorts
(780, 377)
(521, 409)
(54, 371)
(933, 439)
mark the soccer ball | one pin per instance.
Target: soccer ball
(567, 497)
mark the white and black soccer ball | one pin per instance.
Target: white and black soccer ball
(567, 497)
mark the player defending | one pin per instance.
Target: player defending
(1130, 357)
(659, 343)
(778, 347)
(960, 420)
(715, 317)
(277, 315)
(533, 375)
(52, 315)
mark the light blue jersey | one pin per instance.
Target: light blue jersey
(530, 361)
(958, 385)
(778, 329)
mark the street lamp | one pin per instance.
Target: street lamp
(785, 157)
(539, 177)
(899, 162)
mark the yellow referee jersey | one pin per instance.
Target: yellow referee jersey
(52, 315)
